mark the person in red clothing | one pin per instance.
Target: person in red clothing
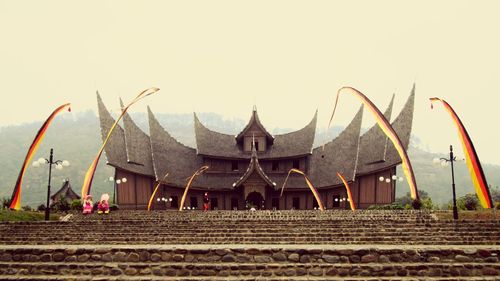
(206, 202)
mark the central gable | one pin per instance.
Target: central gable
(254, 129)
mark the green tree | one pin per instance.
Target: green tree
(466, 202)
(425, 201)
(5, 203)
(76, 205)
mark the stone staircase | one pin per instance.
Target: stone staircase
(262, 245)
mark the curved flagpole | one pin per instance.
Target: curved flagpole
(389, 131)
(309, 184)
(89, 175)
(197, 173)
(154, 191)
(472, 160)
(15, 203)
(349, 194)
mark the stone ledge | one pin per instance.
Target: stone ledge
(324, 254)
(240, 278)
(253, 269)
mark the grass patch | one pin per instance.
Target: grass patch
(8, 215)
(470, 215)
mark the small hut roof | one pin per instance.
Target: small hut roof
(65, 191)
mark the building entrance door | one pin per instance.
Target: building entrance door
(255, 199)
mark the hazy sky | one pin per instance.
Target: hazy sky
(287, 57)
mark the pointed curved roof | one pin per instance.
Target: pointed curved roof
(137, 144)
(213, 143)
(181, 161)
(254, 119)
(254, 166)
(402, 124)
(169, 155)
(339, 155)
(297, 143)
(115, 150)
(65, 191)
(373, 144)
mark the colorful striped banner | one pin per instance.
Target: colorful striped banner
(471, 158)
(197, 173)
(389, 132)
(309, 184)
(16, 194)
(349, 194)
(89, 175)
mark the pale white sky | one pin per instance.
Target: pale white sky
(287, 57)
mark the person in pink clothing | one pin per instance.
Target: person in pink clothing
(103, 206)
(87, 205)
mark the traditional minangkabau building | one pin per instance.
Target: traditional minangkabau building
(242, 174)
(65, 192)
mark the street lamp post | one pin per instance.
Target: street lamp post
(59, 165)
(451, 160)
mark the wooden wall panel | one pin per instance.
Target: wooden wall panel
(125, 191)
(367, 189)
(144, 191)
(355, 192)
(384, 189)
(384, 193)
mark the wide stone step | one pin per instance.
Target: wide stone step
(239, 278)
(126, 235)
(252, 253)
(221, 225)
(262, 269)
(252, 241)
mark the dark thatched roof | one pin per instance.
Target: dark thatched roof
(402, 125)
(373, 144)
(171, 156)
(254, 167)
(115, 149)
(338, 155)
(65, 191)
(254, 119)
(137, 145)
(294, 144)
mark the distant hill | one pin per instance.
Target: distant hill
(76, 137)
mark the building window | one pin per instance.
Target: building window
(194, 202)
(234, 203)
(175, 202)
(275, 203)
(336, 201)
(296, 164)
(256, 145)
(275, 165)
(214, 204)
(234, 165)
(296, 203)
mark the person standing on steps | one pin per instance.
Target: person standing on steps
(206, 202)
(87, 205)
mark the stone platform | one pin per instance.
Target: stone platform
(229, 245)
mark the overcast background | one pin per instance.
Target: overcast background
(286, 57)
